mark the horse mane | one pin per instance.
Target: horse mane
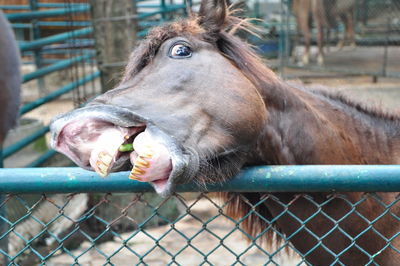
(373, 111)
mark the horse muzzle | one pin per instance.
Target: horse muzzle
(92, 137)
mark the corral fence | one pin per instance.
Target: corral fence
(117, 221)
(55, 230)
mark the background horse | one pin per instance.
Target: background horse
(198, 104)
(10, 78)
(325, 14)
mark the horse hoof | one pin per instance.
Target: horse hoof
(320, 60)
(339, 46)
(305, 60)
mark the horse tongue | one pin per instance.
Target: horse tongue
(105, 150)
(151, 160)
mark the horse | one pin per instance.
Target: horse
(198, 104)
(325, 14)
(10, 78)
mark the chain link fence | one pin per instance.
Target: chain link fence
(78, 229)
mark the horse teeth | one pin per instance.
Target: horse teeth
(103, 167)
(146, 155)
(137, 171)
(101, 171)
(142, 162)
(105, 157)
(134, 177)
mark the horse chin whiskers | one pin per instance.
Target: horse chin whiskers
(218, 167)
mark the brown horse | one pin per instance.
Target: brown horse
(198, 104)
(10, 78)
(325, 14)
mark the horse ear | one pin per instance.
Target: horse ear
(213, 14)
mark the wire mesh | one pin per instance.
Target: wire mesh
(184, 229)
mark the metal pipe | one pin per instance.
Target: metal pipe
(65, 23)
(346, 71)
(43, 158)
(55, 94)
(62, 64)
(63, 51)
(52, 24)
(46, 13)
(25, 46)
(14, 7)
(36, 34)
(10, 150)
(298, 178)
(52, 5)
(46, 5)
(161, 11)
(163, 7)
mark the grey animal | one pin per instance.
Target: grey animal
(10, 78)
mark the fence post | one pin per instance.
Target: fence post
(33, 5)
(284, 36)
(163, 7)
(115, 28)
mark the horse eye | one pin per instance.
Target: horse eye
(180, 51)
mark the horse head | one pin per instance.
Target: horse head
(186, 102)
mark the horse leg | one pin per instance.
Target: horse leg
(350, 28)
(302, 9)
(320, 42)
(303, 23)
(328, 40)
(348, 35)
(295, 44)
(342, 40)
(320, 19)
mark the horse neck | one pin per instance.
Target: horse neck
(306, 128)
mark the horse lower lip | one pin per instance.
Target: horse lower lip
(160, 185)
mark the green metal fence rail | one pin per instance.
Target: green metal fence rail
(99, 229)
(307, 178)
